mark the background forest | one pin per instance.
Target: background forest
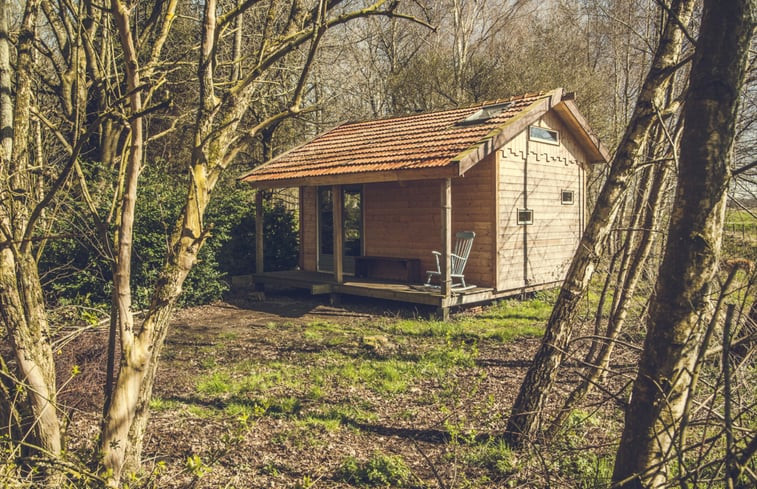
(121, 119)
(463, 53)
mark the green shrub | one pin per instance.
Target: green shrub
(75, 268)
(494, 456)
(380, 470)
(237, 254)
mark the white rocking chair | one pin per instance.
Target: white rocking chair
(458, 259)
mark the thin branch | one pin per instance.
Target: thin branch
(60, 181)
(288, 44)
(742, 207)
(153, 108)
(247, 138)
(744, 168)
(677, 21)
(233, 13)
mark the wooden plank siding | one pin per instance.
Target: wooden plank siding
(403, 219)
(547, 246)
(309, 229)
(473, 209)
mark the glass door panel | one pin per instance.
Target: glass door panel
(325, 230)
(352, 228)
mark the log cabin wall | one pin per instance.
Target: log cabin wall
(473, 209)
(532, 175)
(309, 229)
(402, 219)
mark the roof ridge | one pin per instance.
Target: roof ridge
(477, 105)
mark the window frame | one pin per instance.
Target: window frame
(525, 222)
(572, 194)
(532, 137)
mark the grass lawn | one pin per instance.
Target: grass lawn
(294, 393)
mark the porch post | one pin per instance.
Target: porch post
(336, 200)
(446, 265)
(259, 231)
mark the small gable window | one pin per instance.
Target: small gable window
(543, 135)
(567, 197)
(525, 216)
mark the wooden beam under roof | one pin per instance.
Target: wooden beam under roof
(364, 177)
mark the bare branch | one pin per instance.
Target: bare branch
(745, 168)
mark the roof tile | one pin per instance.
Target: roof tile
(428, 140)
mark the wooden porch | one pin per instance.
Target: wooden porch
(324, 283)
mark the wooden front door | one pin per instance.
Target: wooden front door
(352, 215)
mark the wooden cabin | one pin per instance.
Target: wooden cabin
(377, 197)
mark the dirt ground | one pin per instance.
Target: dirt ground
(444, 427)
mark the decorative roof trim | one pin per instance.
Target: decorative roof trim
(503, 134)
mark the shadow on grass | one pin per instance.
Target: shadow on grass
(497, 362)
(424, 435)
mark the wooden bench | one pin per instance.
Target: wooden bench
(406, 270)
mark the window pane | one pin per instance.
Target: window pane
(543, 134)
(326, 220)
(525, 216)
(353, 221)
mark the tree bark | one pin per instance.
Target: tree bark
(134, 354)
(676, 320)
(22, 306)
(540, 377)
(6, 74)
(649, 212)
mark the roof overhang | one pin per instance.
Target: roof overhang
(447, 171)
(595, 150)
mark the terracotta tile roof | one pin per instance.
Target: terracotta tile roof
(414, 142)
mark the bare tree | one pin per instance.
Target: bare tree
(220, 134)
(677, 313)
(22, 306)
(540, 377)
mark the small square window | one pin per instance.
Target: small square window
(525, 216)
(544, 135)
(567, 197)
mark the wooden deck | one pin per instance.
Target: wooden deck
(324, 283)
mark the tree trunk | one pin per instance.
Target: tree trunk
(676, 320)
(540, 377)
(187, 238)
(649, 207)
(6, 75)
(22, 310)
(134, 353)
(22, 306)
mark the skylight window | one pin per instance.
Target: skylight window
(485, 113)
